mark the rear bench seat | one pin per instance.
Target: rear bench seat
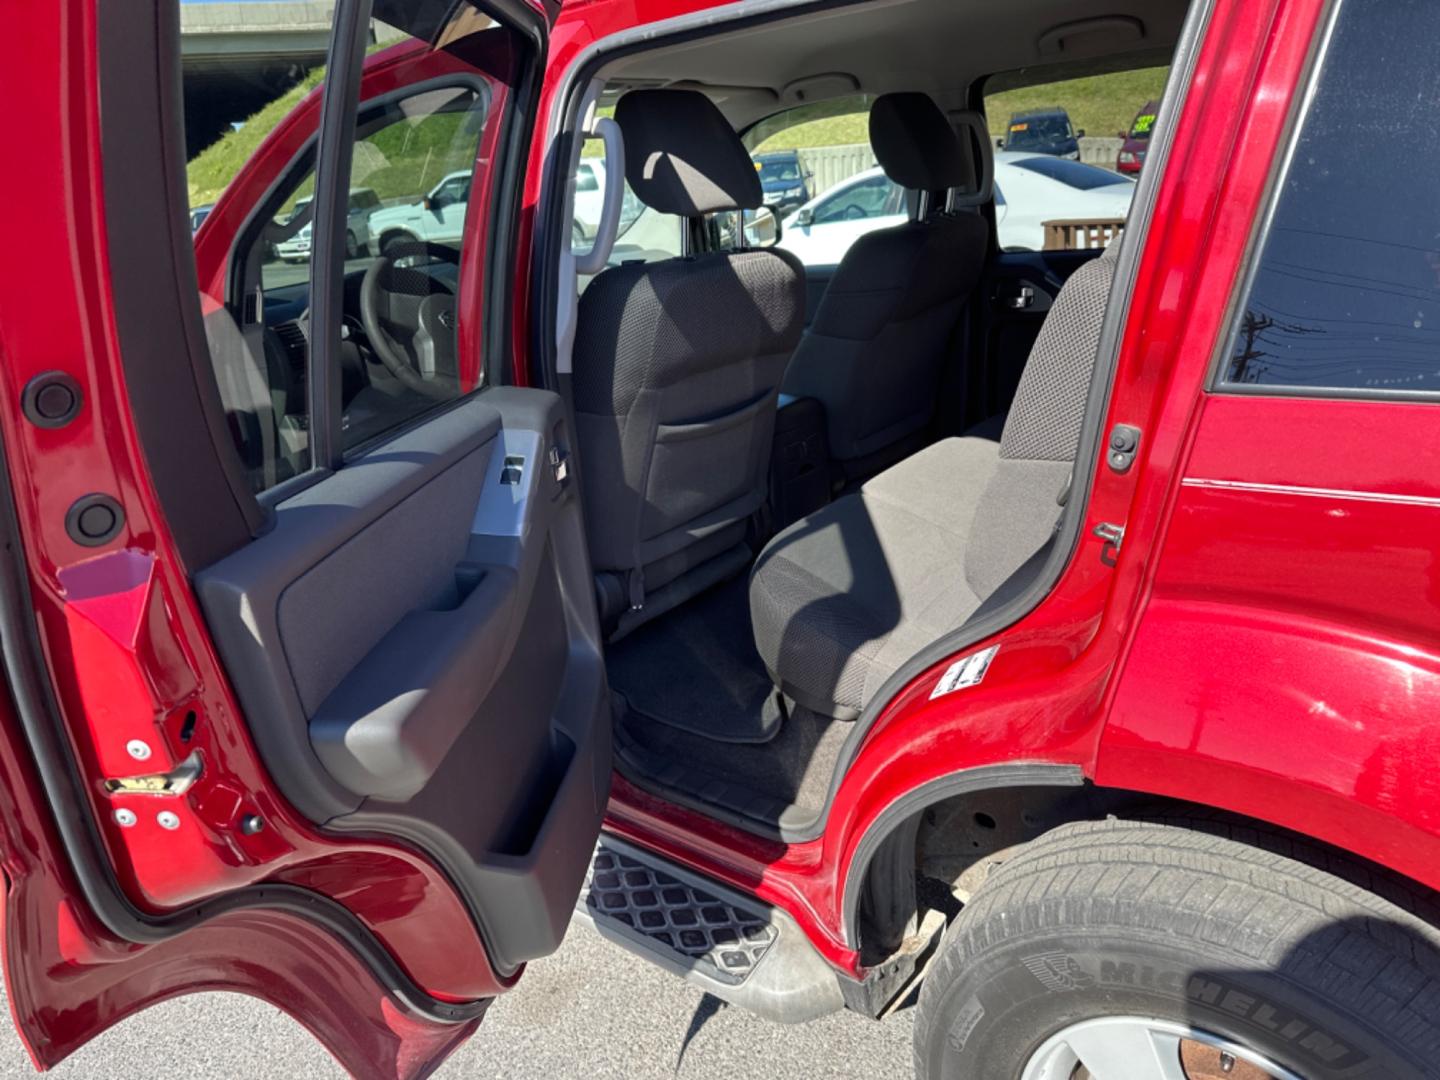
(842, 598)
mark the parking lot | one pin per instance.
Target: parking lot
(591, 1011)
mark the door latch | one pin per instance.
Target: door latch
(175, 782)
(1112, 535)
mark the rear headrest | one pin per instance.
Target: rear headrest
(915, 144)
(682, 156)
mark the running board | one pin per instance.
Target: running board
(727, 944)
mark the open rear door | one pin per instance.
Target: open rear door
(306, 697)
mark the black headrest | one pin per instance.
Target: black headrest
(682, 156)
(915, 144)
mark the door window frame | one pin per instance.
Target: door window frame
(340, 107)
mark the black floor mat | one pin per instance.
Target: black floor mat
(781, 783)
(696, 669)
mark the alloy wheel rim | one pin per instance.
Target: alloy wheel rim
(1144, 1048)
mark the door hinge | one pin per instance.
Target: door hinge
(1113, 536)
(175, 782)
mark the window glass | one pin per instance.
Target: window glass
(857, 200)
(1062, 155)
(1346, 295)
(645, 235)
(819, 175)
(414, 160)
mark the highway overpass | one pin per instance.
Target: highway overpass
(237, 57)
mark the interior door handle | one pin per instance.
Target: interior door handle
(1021, 299)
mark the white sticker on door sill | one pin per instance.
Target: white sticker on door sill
(965, 672)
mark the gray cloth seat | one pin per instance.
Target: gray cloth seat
(677, 367)
(841, 599)
(875, 350)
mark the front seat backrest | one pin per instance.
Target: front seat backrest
(874, 352)
(676, 372)
(1018, 510)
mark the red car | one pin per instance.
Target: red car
(1137, 140)
(363, 622)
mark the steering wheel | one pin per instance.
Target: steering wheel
(409, 317)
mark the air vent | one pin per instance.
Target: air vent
(297, 346)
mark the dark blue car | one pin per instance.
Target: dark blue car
(1044, 131)
(782, 179)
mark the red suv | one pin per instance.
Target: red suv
(1137, 141)
(1054, 631)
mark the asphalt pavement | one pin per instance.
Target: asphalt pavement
(592, 1011)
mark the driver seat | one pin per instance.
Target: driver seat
(677, 367)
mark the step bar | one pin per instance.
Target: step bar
(727, 944)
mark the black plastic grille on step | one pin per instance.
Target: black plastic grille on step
(697, 925)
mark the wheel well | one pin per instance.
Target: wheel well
(938, 857)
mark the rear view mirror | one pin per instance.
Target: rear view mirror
(762, 227)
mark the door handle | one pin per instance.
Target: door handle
(1020, 299)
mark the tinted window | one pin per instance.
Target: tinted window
(1144, 122)
(867, 199)
(1070, 173)
(1347, 292)
(1032, 131)
(780, 170)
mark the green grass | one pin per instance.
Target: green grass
(211, 170)
(1101, 104)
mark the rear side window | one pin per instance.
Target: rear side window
(1346, 294)
(1061, 159)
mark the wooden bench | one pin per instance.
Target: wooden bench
(1072, 234)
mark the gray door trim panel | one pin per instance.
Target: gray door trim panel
(241, 594)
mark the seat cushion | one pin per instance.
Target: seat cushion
(845, 596)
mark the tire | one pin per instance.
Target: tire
(1183, 926)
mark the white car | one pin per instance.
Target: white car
(1030, 189)
(438, 217)
(364, 205)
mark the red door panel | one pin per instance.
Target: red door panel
(1299, 582)
(119, 898)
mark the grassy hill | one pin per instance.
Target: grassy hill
(1101, 104)
(214, 167)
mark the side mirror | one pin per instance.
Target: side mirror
(1079, 133)
(805, 218)
(999, 144)
(761, 227)
(427, 203)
